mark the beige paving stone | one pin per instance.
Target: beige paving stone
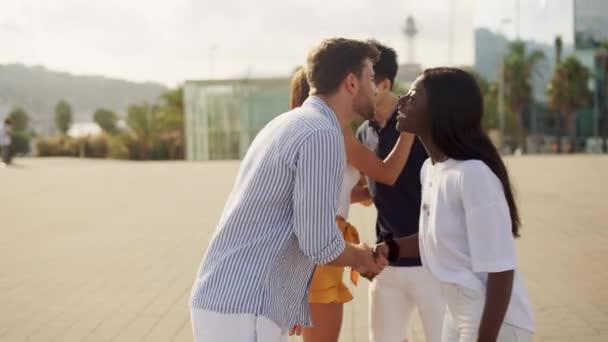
(107, 250)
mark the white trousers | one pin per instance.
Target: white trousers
(394, 295)
(463, 316)
(208, 326)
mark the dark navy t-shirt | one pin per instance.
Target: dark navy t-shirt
(398, 205)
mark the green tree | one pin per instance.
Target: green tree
(21, 135)
(519, 68)
(568, 91)
(489, 91)
(20, 143)
(145, 125)
(171, 116)
(172, 109)
(107, 120)
(63, 116)
(601, 60)
(558, 117)
(20, 120)
(558, 49)
(157, 131)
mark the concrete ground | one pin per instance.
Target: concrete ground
(107, 250)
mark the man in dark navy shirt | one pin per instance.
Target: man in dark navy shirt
(405, 284)
(398, 205)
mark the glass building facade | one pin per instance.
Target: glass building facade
(590, 32)
(223, 117)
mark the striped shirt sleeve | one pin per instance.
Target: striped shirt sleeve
(319, 173)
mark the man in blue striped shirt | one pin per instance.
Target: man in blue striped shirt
(279, 220)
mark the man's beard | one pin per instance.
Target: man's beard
(364, 108)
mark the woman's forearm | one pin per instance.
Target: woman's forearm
(498, 296)
(408, 246)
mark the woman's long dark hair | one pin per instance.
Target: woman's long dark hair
(455, 105)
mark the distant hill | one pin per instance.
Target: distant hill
(487, 49)
(38, 90)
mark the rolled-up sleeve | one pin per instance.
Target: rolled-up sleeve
(488, 220)
(318, 180)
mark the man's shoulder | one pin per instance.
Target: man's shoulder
(302, 126)
(300, 121)
(310, 119)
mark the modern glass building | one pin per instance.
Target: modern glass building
(223, 117)
(590, 32)
(590, 23)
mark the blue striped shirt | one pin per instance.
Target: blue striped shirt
(279, 220)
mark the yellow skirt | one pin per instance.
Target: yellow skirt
(327, 285)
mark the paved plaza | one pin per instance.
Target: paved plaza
(98, 250)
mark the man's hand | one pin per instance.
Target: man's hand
(405, 247)
(370, 263)
(382, 249)
(381, 252)
(296, 330)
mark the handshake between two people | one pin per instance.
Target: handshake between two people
(370, 261)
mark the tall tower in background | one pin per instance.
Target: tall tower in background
(410, 31)
(410, 69)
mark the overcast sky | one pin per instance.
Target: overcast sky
(169, 41)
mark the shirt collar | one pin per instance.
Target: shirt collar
(318, 103)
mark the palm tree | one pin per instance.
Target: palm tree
(172, 122)
(143, 121)
(558, 115)
(568, 90)
(601, 60)
(489, 91)
(158, 127)
(519, 68)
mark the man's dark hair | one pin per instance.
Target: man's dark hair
(386, 67)
(330, 62)
(8, 121)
